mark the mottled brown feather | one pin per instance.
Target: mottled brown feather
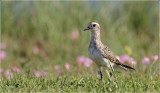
(107, 53)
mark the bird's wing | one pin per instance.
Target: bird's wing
(107, 53)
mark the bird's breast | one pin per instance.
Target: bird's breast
(97, 57)
(94, 52)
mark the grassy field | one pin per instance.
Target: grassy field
(80, 83)
(43, 46)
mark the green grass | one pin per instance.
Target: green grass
(80, 83)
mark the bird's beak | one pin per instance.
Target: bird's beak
(86, 29)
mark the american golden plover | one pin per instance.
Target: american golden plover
(100, 53)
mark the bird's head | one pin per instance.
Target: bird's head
(93, 26)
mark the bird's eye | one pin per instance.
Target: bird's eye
(94, 25)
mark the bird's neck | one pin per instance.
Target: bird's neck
(95, 36)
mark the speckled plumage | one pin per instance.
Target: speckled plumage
(100, 53)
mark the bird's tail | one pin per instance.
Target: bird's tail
(124, 66)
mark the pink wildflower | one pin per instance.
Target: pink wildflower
(123, 58)
(155, 57)
(80, 59)
(16, 69)
(132, 61)
(146, 60)
(87, 62)
(67, 66)
(2, 55)
(8, 74)
(74, 33)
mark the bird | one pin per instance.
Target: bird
(101, 54)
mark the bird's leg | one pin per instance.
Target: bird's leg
(101, 76)
(111, 72)
(100, 73)
(110, 75)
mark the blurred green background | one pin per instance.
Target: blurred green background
(41, 34)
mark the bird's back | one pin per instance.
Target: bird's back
(107, 53)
